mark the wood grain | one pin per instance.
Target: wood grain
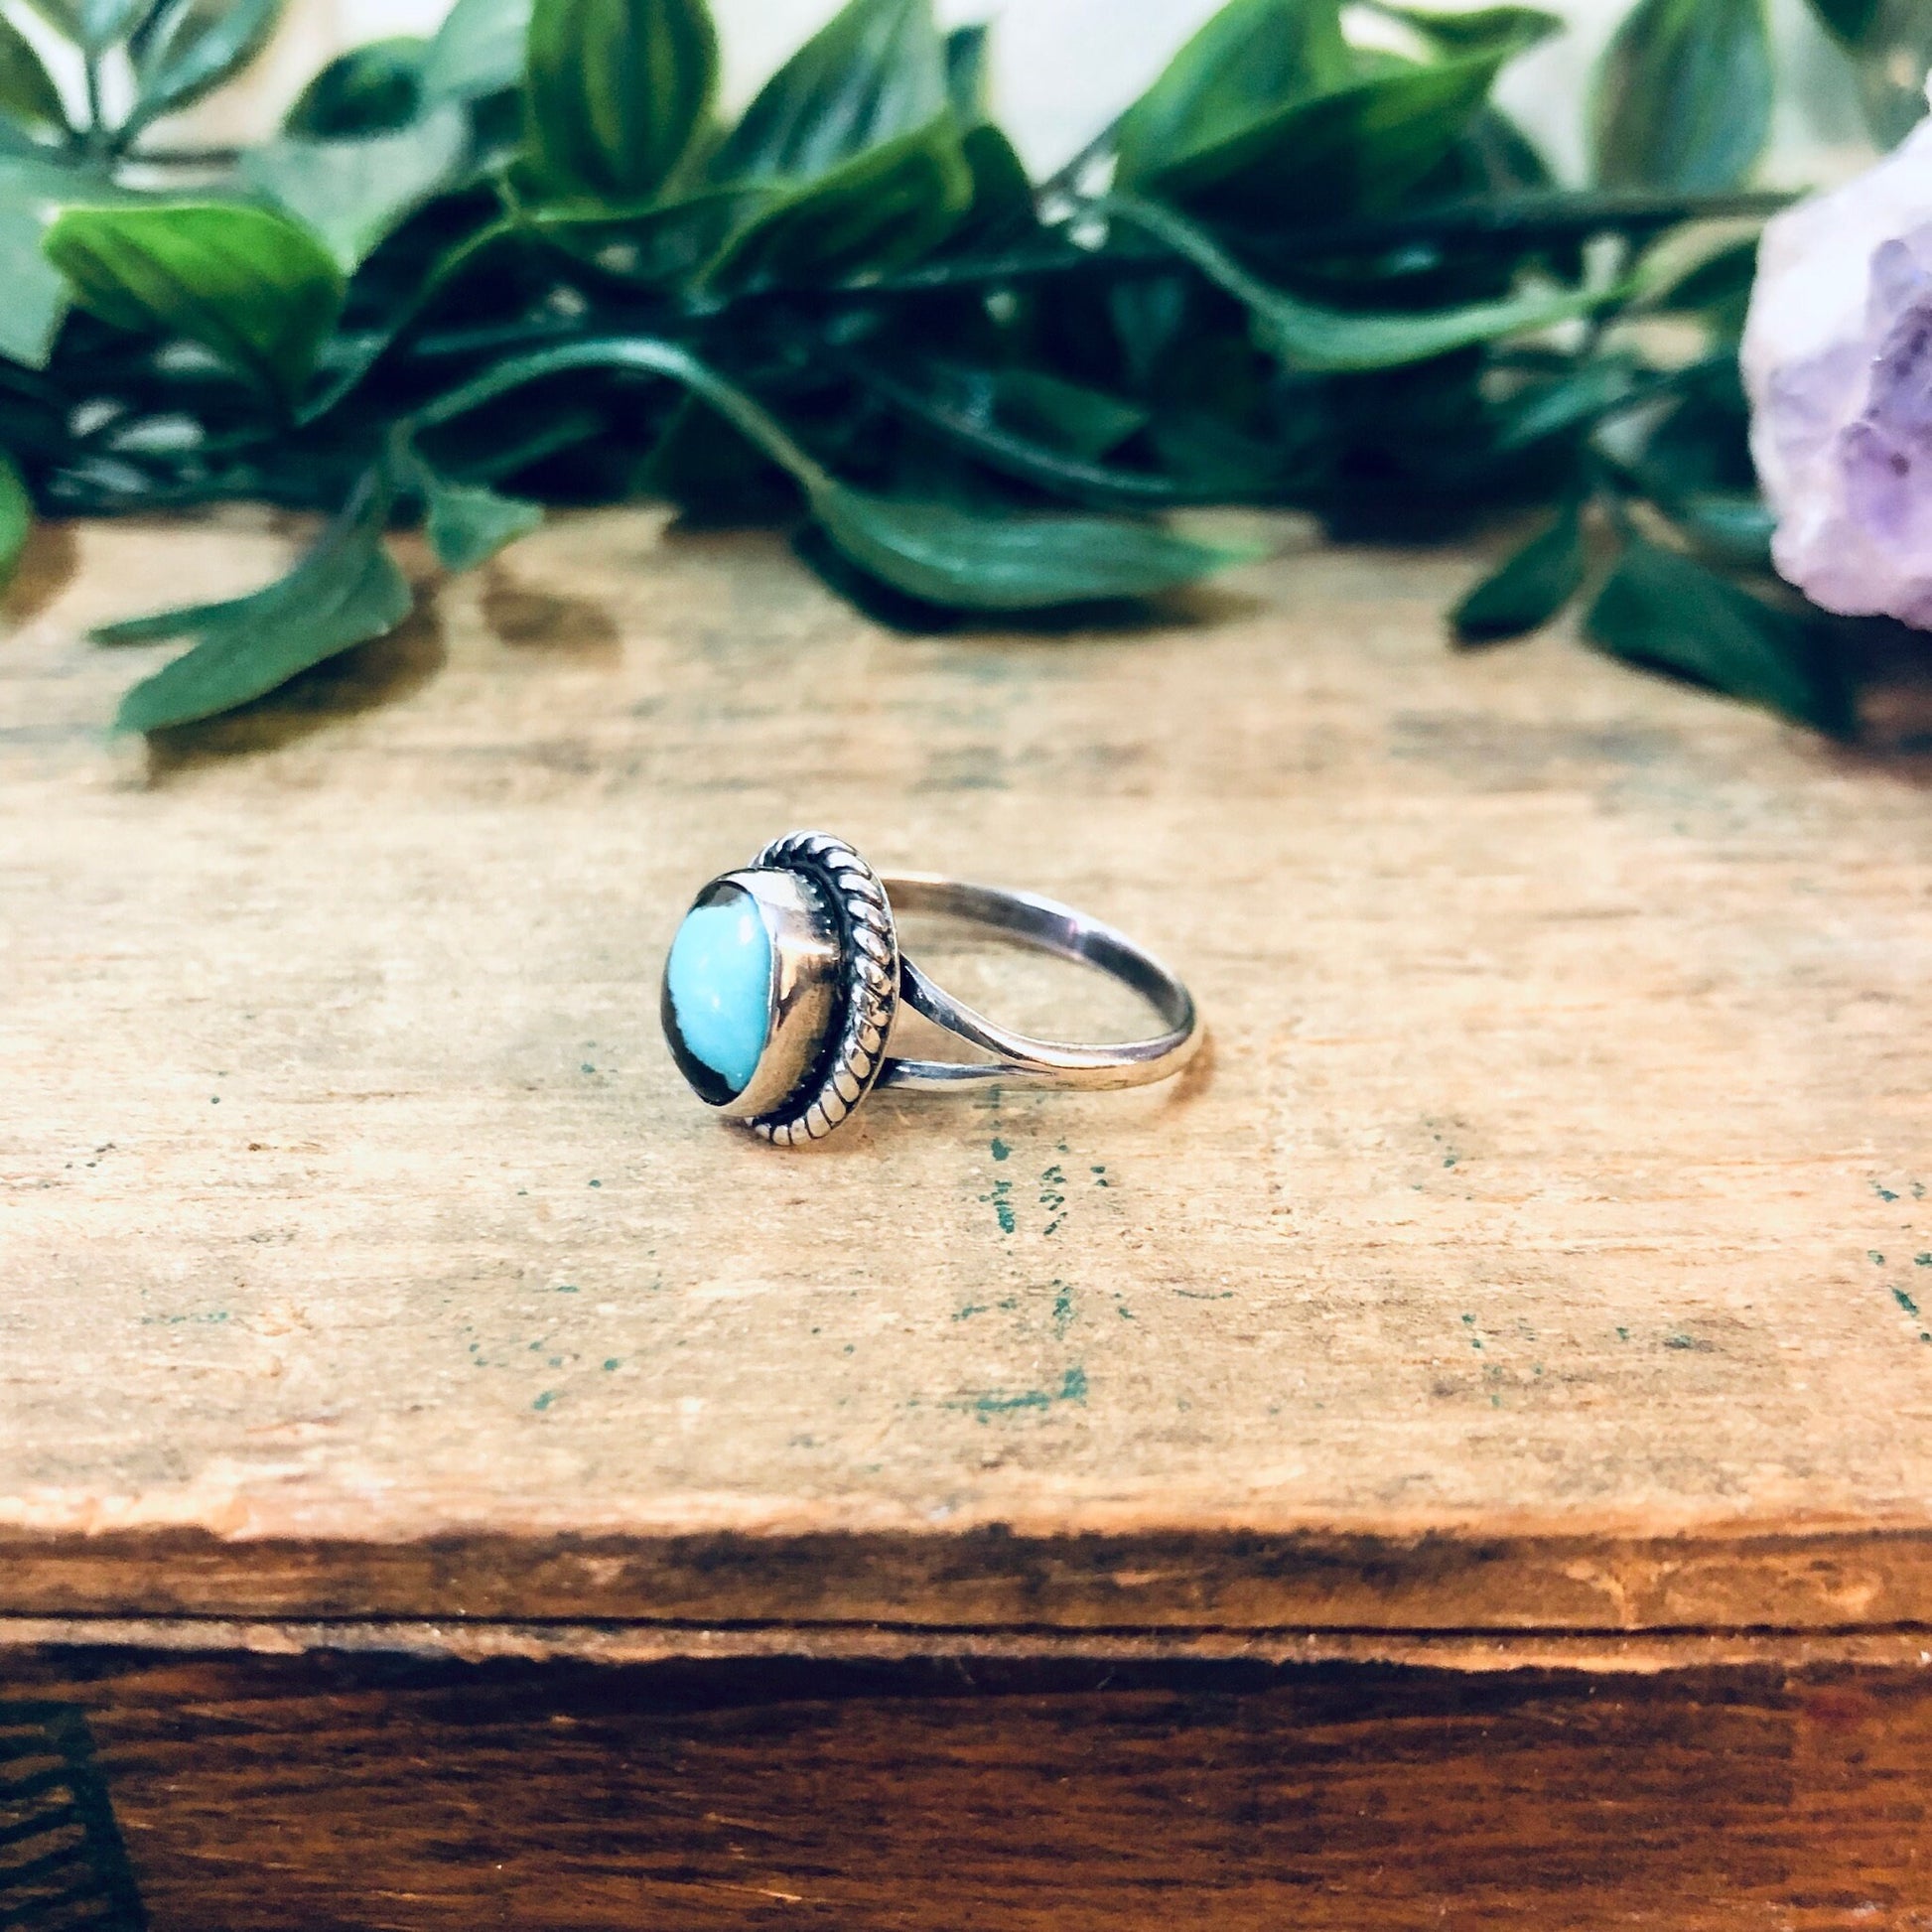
(1544, 1243)
(349, 1795)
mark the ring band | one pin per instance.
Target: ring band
(784, 980)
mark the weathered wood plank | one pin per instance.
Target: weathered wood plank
(347, 1795)
(1544, 1241)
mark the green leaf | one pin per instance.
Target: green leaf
(355, 193)
(616, 90)
(191, 48)
(1732, 527)
(16, 518)
(1492, 158)
(1529, 588)
(878, 213)
(966, 74)
(712, 472)
(1309, 336)
(467, 523)
(1478, 29)
(1088, 422)
(658, 243)
(874, 74)
(1683, 96)
(32, 189)
(345, 592)
(1358, 147)
(1011, 562)
(1577, 397)
(934, 551)
(27, 92)
(1848, 21)
(372, 90)
(1717, 288)
(1067, 416)
(1665, 611)
(1252, 61)
(260, 291)
(480, 50)
(1003, 191)
(92, 24)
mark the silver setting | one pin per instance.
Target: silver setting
(807, 961)
(838, 981)
(856, 1055)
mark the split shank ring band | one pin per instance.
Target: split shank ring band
(784, 980)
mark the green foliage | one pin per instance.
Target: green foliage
(1683, 96)
(467, 523)
(1529, 587)
(189, 47)
(92, 24)
(524, 262)
(36, 293)
(1846, 20)
(1308, 335)
(874, 74)
(479, 50)
(27, 92)
(616, 90)
(1483, 28)
(1253, 63)
(1032, 562)
(345, 592)
(257, 289)
(372, 90)
(1268, 115)
(1673, 613)
(1889, 44)
(966, 74)
(16, 519)
(354, 192)
(879, 211)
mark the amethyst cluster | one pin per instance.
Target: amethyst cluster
(1837, 362)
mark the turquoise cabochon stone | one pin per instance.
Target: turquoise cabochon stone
(717, 993)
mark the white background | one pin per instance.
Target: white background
(1063, 68)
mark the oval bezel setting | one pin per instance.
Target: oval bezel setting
(801, 992)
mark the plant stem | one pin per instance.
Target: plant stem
(99, 135)
(649, 355)
(1522, 220)
(1000, 449)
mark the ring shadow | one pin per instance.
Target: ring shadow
(904, 1118)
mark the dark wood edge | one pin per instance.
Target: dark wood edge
(1796, 1581)
(1594, 1652)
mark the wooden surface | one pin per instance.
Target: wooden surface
(346, 1796)
(1544, 1243)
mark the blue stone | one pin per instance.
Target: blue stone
(717, 993)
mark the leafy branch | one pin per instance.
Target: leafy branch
(524, 262)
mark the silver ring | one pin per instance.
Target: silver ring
(784, 980)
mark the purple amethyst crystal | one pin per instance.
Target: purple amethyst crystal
(1837, 360)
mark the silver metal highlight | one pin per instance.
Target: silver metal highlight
(839, 979)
